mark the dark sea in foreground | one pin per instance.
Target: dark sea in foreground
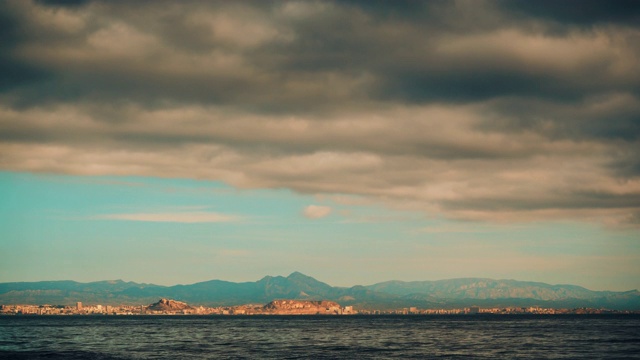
(320, 337)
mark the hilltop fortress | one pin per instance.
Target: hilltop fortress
(301, 307)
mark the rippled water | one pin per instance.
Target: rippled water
(317, 337)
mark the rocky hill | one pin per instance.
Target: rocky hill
(302, 307)
(168, 305)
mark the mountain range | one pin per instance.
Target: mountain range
(386, 295)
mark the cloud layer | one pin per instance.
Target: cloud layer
(316, 211)
(496, 111)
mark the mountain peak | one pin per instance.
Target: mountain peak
(298, 275)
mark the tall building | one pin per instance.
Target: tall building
(78, 305)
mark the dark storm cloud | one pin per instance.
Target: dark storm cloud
(65, 3)
(579, 12)
(615, 117)
(13, 72)
(408, 53)
(465, 86)
(627, 166)
(476, 109)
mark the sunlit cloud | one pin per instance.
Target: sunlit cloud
(316, 211)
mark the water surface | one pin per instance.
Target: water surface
(320, 337)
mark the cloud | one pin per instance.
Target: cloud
(493, 111)
(585, 13)
(173, 217)
(316, 211)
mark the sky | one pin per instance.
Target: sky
(354, 141)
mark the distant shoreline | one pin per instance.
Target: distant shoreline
(284, 308)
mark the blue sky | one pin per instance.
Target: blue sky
(85, 228)
(354, 141)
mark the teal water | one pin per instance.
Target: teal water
(318, 337)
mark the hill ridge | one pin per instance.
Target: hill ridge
(298, 286)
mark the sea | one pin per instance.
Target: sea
(321, 337)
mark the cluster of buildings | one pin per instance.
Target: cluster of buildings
(417, 311)
(47, 309)
(282, 308)
(78, 309)
(497, 311)
(551, 311)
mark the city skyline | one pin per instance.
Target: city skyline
(355, 141)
